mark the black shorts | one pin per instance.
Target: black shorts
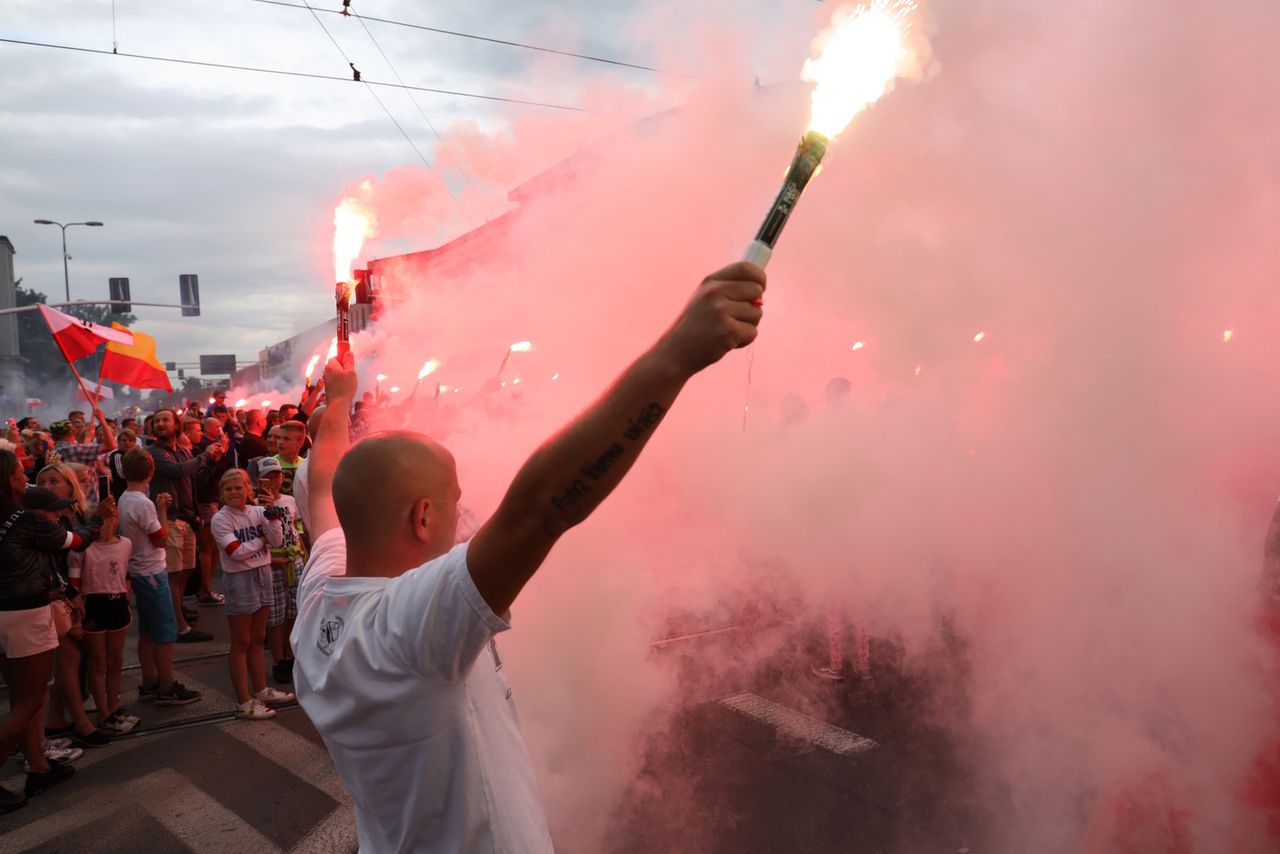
(106, 612)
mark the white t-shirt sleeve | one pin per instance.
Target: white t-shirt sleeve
(436, 618)
(328, 558)
(75, 564)
(223, 528)
(140, 516)
(300, 494)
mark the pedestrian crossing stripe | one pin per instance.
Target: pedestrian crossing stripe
(795, 724)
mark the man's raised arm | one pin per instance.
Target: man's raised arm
(575, 470)
(329, 442)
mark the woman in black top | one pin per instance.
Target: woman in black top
(29, 539)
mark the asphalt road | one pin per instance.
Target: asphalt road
(765, 759)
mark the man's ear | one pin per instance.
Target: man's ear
(421, 518)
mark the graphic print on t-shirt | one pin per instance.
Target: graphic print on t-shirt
(330, 629)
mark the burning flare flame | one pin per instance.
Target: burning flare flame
(429, 367)
(521, 347)
(352, 223)
(859, 55)
(311, 366)
(333, 349)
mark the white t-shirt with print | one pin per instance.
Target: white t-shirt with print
(252, 530)
(402, 678)
(138, 520)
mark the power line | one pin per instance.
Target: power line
(386, 110)
(312, 76)
(443, 145)
(489, 39)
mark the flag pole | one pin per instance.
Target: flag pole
(83, 388)
(97, 392)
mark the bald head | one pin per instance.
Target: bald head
(396, 495)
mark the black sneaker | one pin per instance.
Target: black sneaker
(58, 772)
(147, 692)
(194, 636)
(10, 801)
(282, 672)
(93, 739)
(177, 694)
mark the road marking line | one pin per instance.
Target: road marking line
(336, 833)
(310, 763)
(798, 725)
(304, 759)
(197, 819)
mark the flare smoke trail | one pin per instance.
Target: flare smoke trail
(1083, 489)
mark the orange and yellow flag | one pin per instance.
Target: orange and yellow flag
(134, 364)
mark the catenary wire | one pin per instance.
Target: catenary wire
(506, 42)
(283, 72)
(394, 121)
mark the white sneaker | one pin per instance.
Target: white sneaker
(271, 695)
(57, 754)
(55, 744)
(254, 711)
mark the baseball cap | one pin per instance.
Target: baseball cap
(39, 498)
(268, 465)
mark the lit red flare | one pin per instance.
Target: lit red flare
(429, 367)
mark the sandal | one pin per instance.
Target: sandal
(212, 599)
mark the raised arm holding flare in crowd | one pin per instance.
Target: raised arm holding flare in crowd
(394, 619)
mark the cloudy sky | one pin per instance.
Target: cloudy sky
(233, 175)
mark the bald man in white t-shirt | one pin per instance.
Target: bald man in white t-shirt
(396, 662)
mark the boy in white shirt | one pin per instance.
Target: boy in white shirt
(244, 533)
(146, 525)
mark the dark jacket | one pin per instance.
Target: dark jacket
(177, 473)
(28, 545)
(207, 487)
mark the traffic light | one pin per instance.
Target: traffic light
(189, 294)
(119, 294)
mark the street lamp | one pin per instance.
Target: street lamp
(66, 276)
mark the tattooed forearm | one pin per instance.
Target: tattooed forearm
(570, 496)
(645, 421)
(624, 448)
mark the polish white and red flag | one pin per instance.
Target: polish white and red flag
(79, 338)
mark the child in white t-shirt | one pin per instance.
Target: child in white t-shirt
(245, 533)
(100, 574)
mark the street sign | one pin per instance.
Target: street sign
(217, 365)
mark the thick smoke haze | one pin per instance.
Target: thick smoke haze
(1081, 494)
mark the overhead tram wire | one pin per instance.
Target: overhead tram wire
(283, 72)
(443, 145)
(491, 40)
(390, 115)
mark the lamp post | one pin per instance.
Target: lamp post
(66, 275)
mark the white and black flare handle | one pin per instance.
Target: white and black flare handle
(809, 154)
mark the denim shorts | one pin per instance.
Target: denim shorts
(247, 590)
(155, 607)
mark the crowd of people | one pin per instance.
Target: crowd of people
(93, 509)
